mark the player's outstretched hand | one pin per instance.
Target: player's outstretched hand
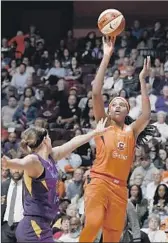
(146, 68)
(108, 45)
(100, 128)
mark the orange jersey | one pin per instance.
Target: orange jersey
(114, 154)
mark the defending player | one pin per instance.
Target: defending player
(41, 200)
(106, 195)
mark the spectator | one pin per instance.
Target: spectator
(75, 187)
(83, 102)
(123, 93)
(146, 168)
(11, 194)
(159, 204)
(113, 85)
(136, 60)
(28, 93)
(12, 68)
(55, 73)
(154, 234)
(8, 111)
(65, 228)
(134, 108)
(11, 144)
(70, 163)
(151, 187)
(137, 30)
(140, 203)
(29, 69)
(19, 79)
(162, 157)
(66, 60)
(26, 114)
(74, 72)
(5, 175)
(45, 63)
(40, 122)
(154, 156)
(161, 125)
(70, 114)
(162, 101)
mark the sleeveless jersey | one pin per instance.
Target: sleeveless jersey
(41, 198)
(114, 154)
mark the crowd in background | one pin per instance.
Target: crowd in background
(52, 89)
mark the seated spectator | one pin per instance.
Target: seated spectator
(5, 79)
(5, 175)
(97, 52)
(12, 68)
(75, 187)
(154, 81)
(49, 110)
(66, 59)
(74, 71)
(28, 92)
(162, 157)
(69, 114)
(19, 79)
(134, 111)
(146, 168)
(132, 232)
(131, 82)
(55, 73)
(159, 67)
(154, 156)
(83, 102)
(45, 63)
(136, 29)
(40, 122)
(123, 93)
(89, 122)
(151, 187)
(5, 47)
(8, 111)
(159, 204)
(140, 203)
(161, 125)
(38, 52)
(11, 144)
(89, 105)
(71, 41)
(70, 163)
(113, 85)
(65, 228)
(153, 232)
(26, 114)
(152, 98)
(29, 69)
(162, 101)
(29, 48)
(123, 65)
(136, 60)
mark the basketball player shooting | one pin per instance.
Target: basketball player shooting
(106, 194)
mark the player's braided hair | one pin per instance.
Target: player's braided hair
(150, 130)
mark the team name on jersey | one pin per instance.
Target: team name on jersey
(116, 155)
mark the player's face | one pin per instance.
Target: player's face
(118, 110)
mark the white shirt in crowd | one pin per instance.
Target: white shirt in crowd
(109, 84)
(18, 210)
(152, 98)
(19, 81)
(74, 160)
(68, 238)
(156, 236)
(29, 70)
(135, 112)
(150, 191)
(163, 129)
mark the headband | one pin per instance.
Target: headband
(39, 140)
(123, 99)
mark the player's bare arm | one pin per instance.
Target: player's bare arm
(67, 148)
(98, 104)
(30, 164)
(139, 125)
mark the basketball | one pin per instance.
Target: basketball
(111, 22)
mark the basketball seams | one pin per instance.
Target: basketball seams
(115, 24)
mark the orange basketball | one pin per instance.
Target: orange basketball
(111, 22)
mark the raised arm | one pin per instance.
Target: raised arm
(139, 125)
(30, 164)
(62, 151)
(98, 104)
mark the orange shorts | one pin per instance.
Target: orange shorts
(112, 197)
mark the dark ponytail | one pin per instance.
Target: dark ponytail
(150, 130)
